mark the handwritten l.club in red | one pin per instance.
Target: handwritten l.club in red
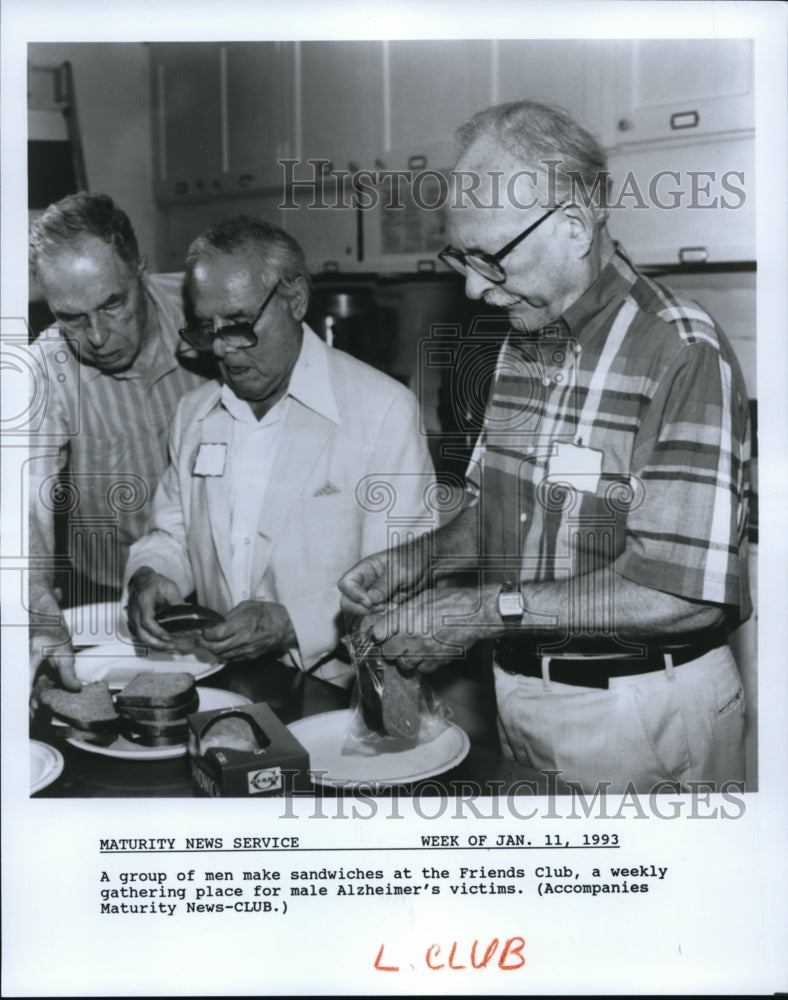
(509, 957)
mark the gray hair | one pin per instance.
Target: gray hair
(77, 217)
(283, 258)
(537, 135)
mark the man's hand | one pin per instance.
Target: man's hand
(149, 592)
(435, 627)
(51, 642)
(383, 578)
(250, 630)
(54, 644)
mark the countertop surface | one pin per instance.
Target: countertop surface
(294, 695)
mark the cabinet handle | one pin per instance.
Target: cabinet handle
(330, 266)
(684, 119)
(417, 162)
(693, 255)
(423, 266)
(624, 124)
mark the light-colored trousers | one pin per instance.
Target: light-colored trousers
(681, 724)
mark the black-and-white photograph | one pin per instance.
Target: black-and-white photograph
(390, 448)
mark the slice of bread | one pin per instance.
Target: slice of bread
(152, 713)
(103, 738)
(90, 709)
(154, 734)
(402, 699)
(153, 690)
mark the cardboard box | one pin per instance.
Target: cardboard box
(261, 756)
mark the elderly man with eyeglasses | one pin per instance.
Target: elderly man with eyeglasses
(110, 373)
(606, 509)
(278, 469)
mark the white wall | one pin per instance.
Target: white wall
(112, 90)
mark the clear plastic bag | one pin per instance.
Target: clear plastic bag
(391, 711)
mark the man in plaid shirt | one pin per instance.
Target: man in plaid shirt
(606, 511)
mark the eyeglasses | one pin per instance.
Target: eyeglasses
(235, 335)
(488, 264)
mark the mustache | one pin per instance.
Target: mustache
(500, 300)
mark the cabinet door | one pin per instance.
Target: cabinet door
(431, 87)
(188, 119)
(526, 69)
(257, 109)
(685, 203)
(659, 89)
(340, 114)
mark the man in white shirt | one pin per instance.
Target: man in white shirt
(275, 477)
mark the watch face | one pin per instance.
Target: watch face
(510, 605)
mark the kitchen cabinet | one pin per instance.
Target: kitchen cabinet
(187, 111)
(256, 112)
(339, 95)
(220, 118)
(526, 69)
(688, 203)
(659, 89)
(226, 113)
(431, 87)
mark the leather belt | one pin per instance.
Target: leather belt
(515, 657)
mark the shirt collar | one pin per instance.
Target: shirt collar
(310, 383)
(613, 283)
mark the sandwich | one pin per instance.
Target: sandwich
(88, 715)
(154, 708)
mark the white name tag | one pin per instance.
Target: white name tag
(575, 465)
(210, 460)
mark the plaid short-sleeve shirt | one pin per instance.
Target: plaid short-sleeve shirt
(619, 436)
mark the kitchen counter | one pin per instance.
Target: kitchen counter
(484, 771)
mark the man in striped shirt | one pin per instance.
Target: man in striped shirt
(607, 498)
(110, 377)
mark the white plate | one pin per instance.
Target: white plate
(209, 698)
(322, 735)
(46, 765)
(117, 662)
(94, 624)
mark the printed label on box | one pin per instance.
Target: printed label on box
(267, 780)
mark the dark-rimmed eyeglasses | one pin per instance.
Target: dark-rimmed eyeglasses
(488, 265)
(235, 335)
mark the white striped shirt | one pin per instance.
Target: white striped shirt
(104, 437)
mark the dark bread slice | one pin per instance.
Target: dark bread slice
(153, 690)
(99, 739)
(151, 713)
(157, 733)
(187, 618)
(401, 702)
(90, 709)
(370, 699)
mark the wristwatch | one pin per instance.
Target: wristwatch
(511, 606)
